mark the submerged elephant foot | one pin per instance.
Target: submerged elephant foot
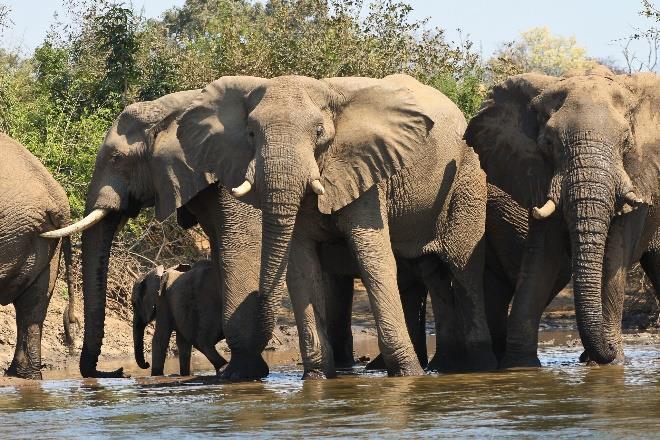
(314, 374)
(462, 361)
(520, 361)
(245, 368)
(27, 372)
(378, 363)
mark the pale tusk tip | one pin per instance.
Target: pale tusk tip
(242, 189)
(317, 187)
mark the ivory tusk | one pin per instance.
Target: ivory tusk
(632, 198)
(242, 189)
(317, 187)
(545, 211)
(89, 220)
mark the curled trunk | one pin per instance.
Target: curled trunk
(96, 244)
(138, 341)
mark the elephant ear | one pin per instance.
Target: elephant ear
(163, 283)
(212, 131)
(379, 128)
(642, 159)
(504, 135)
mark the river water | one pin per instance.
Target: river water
(563, 399)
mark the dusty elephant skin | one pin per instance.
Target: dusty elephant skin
(140, 164)
(379, 163)
(587, 148)
(31, 203)
(185, 299)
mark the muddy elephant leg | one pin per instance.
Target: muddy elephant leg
(339, 305)
(308, 298)
(413, 301)
(545, 253)
(31, 307)
(368, 236)
(185, 350)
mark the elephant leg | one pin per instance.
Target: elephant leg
(339, 305)
(31, 307)
(308, 298)
(236, 247)
(369, 238)
(537, 280)
(413, 301)
(497, 297)
(650, 262)
(161, 340)
(213, 356)
(185, 350)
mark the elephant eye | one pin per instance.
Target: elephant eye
(251, 134)
(319, 130)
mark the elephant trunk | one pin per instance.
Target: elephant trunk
(96, 244)
(282, 190)
(138, 341)
(590, 191)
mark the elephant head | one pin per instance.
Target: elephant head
(586, 145)
(139, 164)
(145, 294)
(286, 139)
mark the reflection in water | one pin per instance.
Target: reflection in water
(563, 399)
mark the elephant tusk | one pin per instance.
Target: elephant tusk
(242, 189)
(88, 221)
(632, 199)
(545, 211)
(317, 187)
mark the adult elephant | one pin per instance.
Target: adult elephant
(588, 144)
(141, 164)
(31, 202)
(379, 163)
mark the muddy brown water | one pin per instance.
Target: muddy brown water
(563, 399)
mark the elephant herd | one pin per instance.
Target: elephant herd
(302, 185)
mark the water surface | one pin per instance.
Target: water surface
(560, 400)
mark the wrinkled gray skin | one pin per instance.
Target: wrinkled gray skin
(140, 164)
(185, 299)
(589, 144)
(397, 181)
(31, 202)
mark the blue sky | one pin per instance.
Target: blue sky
(595, 23)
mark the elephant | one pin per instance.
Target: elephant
(587, 145)
(140, 164)
(185, 299)
(31, 203)
(379, 163)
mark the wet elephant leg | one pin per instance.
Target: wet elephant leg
(185, 351)
(339, 304)
(497, 297)
(364, 223)
(307, 290)
(650, 262)
(545, 251)
(31, 307)
(161, 340)
(213, 356)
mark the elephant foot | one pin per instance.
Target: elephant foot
(378, 363)
(345, 364)
(520, 361)
(27, 372)
(461, 362)
(116, 374)
(412, 368)
(314, 375)
(242, 368)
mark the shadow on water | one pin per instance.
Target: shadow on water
(563, 399)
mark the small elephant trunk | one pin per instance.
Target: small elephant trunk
(138, 341)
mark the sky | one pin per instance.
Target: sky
(596, 24)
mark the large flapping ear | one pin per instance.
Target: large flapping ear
(504, 135)
(165, 275)
(379, 127)
(213, 134)
(642, 159)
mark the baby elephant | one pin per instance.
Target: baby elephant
(185, 299)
